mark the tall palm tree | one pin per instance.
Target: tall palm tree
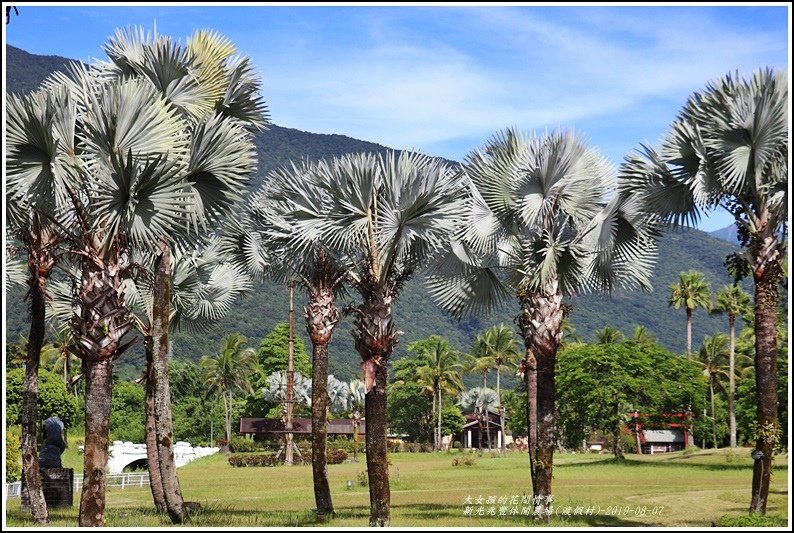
(441, 371)
(691, 292)
(728, 147)
(39, 159)
(383, 217)
(542, 223)
(481, 401)
(499, 346)
(275, 242)
(229, 372)
(164, 149)
(712, 359)
(732, 301)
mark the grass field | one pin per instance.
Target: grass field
(663, 490)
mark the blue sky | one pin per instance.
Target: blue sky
(444, 79)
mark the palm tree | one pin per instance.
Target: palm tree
(642, 336)
(728, 147)
(441, 372)
(384, 218)
(691, 291)
(356, 399)
(541, 225)
(265, 244)
(481, 401)
(39, 158)
(229, 372)
(608, 335)
(499, 346)
(732, 301)
(712, 360)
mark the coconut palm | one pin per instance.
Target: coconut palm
(481, 401)
(691, 292)
(732, 301)
(440, 373)
(541, 224)
(642, 336)
(728, 147)
(383, 217)
(608, 335)
(712, 358)
(499, 348)
(229, 372)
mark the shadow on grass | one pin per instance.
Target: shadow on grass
(672, 462)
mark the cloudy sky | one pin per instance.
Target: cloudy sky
(443, 79)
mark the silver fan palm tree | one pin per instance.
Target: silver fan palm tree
(543, 222)
(159, 155)
(276, 241)
(728, 148)
(481, 401)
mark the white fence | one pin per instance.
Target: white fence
(123, 481)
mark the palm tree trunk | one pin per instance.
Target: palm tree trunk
(688, 334)
(321, 317)
(713, 415)
(98, 392)
(732, 379)
(530, 368)
(155, 481)
(164, 429)
(438, 448)
(503, 445)
(488, 428)
(375, 339)
(377, 460)
(433, 413)
(766, 300)
(322, 489)
(227, 407)
(616, 448)
(546, 314)
(30, 454)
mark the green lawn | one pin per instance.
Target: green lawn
(428, 491)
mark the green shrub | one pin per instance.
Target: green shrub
(13, 458)
(753, 520)
(341, 443)
(335, 457)
(689, 450)
(244, 445)
(362, 478)
(463, 461)
(240, 460)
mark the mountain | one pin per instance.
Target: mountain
(728, 233)
(415, 313)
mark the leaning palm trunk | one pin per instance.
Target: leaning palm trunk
(375, 339)
(766, 300)
(152, 456)
(40, 264)
(161, 310)
(545, 322)
(97, 332)
(321, 317)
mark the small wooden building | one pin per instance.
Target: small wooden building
(474, 428)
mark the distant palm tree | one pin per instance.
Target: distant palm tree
(608, 335)
(228, 372)
(712, 358)
(691, 292)
(642, 335)
(500, 349)
(480, 401)
(728, 147)
(732, 301)
(441, 372)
